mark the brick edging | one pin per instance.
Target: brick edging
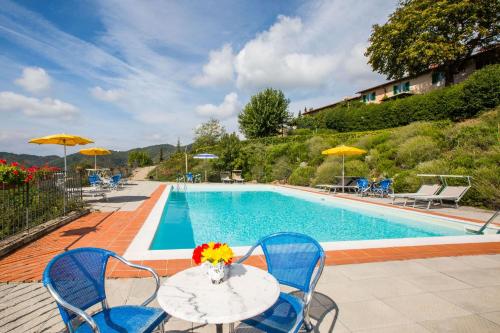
(23, 238)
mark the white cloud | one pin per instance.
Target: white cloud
(219, 69)
(110, 95)
(34, 80)
(35, 107)
(229, 107)
(280, 57)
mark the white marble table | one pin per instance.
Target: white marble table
(245, 292)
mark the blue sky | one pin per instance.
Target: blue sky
(135, 73)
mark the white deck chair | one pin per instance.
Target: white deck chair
(449, 193)
(225, 177)
(423, 190)
(236, 176)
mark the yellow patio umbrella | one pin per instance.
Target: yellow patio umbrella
(343, 151)
(94, 152)
(62, 139)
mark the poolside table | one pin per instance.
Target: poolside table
(245, 292)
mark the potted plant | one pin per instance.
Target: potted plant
(215, 257)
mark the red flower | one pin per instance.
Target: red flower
(197, 253)
(217, 245)
(3, 162)
(15, 172)
(14, 164)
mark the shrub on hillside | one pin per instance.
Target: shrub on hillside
(415, 150)
(302, 176)
(356, 168)
(481, 90)
(477, 93)
(282, 169)
(327, 172)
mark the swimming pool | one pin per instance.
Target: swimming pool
(241, 217)
(239, 214)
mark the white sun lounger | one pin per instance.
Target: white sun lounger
(423, 190)
(449, 193)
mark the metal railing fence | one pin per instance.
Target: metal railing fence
(48, 196)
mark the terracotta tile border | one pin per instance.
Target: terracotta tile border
(116, 230)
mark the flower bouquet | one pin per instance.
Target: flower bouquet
(215, 256)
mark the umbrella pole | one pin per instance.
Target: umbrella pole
(343, 169)
(64, 182)
(95, 162)
(65, 165)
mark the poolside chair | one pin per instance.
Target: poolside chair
(114, 181)
(76, 280)
(349, 185)
(449, 193)
(382, 188)
(225, 177)
(423, 190)
(362, 186)
(189, 177)
(236, 176)
(292, 259)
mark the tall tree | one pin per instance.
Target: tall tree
(265, 115)
(178, 148)
(422, 34)
(161, 154)
(208, 134)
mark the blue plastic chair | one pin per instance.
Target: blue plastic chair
(94, 180)
(363, 186)
(383, 187)
(115, 181)
(76, 280)
(189, 177)
(291, 258)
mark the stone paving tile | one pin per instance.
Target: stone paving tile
(370, 315)
(478, 277)
(364, 271)
(465, 324)
(481, 261)
(445, 264)
(408, 328)
(425, 307)
(475, 300)
(492, 316)
(387, 287)
(436, 282)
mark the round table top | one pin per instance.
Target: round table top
(245, 292)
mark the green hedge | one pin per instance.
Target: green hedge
(479, 92)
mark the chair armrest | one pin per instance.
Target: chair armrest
(149, 269)
(79, 312)
(248, 254)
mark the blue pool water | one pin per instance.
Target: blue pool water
(241, 218)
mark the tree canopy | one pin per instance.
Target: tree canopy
(139, 158)
(265, 115)
(208, 134)
(422, 34)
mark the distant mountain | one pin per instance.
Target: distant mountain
(117, 158)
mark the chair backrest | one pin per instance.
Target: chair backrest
(291, 258)
(78, 277)
(225, 175)
(189, 177)
(453, 191)
(93, 179)
(428, 189)
(362, 183)
(116, 178)
(385, 184)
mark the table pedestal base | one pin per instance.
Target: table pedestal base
(218, 328)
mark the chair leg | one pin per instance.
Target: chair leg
(307, 324)
(162, 327)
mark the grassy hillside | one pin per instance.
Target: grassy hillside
(116, 159)
(470, 147)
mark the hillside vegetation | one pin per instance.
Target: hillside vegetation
(454, 130)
